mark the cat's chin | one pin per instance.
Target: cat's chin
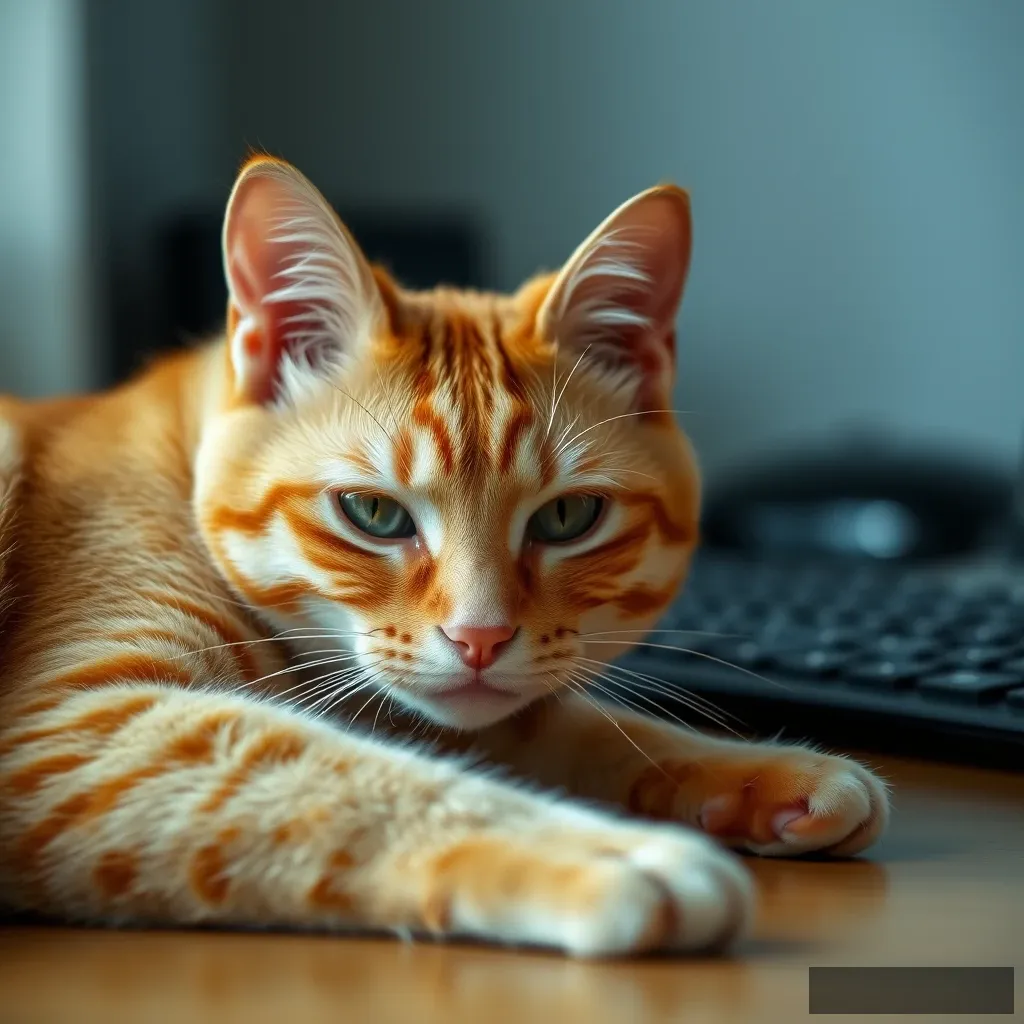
(474, 705)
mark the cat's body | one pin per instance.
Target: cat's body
(415, 511)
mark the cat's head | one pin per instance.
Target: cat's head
(463, 501)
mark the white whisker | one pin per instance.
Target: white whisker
(581, 690)
(697, 654)
(554, 404)
(665, 689)
(622, 416)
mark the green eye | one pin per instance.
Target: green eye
(377, 515)
(565, 518)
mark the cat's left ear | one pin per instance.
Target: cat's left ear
(619, 293)
(301, 293)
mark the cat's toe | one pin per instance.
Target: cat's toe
(817, 804)
(670, 892)
(710, 893)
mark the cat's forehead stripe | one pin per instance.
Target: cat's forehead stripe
(470, 400)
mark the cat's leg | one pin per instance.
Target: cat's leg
(145, 803)
(768, 798)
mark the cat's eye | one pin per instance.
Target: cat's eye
(565, 518)
(377, 515)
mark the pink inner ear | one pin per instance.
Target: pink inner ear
(253, 260)
(619, 293)
(242, 278)
(665, 258)
(628, 275)
(296, 279)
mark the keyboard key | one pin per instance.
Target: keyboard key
(991, 632)
(874, 621)
(820, 663)
(1014, 666)
(833, 616)
(1015, 698)
(907, 607)
(745, 653)
(899, 647)
(966, 685)
(845, 638)
(979, 657)
(929, 625)
(890, 673)
(789, 636)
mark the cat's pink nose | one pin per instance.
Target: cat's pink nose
(479, 646)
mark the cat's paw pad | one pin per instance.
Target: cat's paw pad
(800, 802)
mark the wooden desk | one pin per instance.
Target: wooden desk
(945, 887)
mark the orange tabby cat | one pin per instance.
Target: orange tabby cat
(237, 586)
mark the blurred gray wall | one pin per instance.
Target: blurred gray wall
(46, 313)
(160, 141)
(855, 170)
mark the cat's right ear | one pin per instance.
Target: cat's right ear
(617, 298)
(300, 290)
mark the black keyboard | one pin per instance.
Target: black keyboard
(881, 659)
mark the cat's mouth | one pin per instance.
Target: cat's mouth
(467, 701)
(475, 688)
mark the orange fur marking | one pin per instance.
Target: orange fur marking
(107, 720)
(325, 895)
(424, 416)
(196, 747)
(641, 600)
(548, 466)
(116, 872)
(101, 722)
(286, 833)
(273, 747)
(37, 707)
(422, 576)
(510, 378)
(31, 778)
(404, 456)
(255, 521)
(132, 636)
(208, 871)
(517, 425)
(671, 531)
(359, 458)
(128, 667)
(77, 809)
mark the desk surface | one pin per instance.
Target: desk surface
(945, 887)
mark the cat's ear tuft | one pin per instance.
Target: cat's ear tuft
(619, 293)
(301, 293)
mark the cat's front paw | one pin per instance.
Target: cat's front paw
(597, 889)
(773, 800)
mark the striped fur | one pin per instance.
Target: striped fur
(213, 680)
